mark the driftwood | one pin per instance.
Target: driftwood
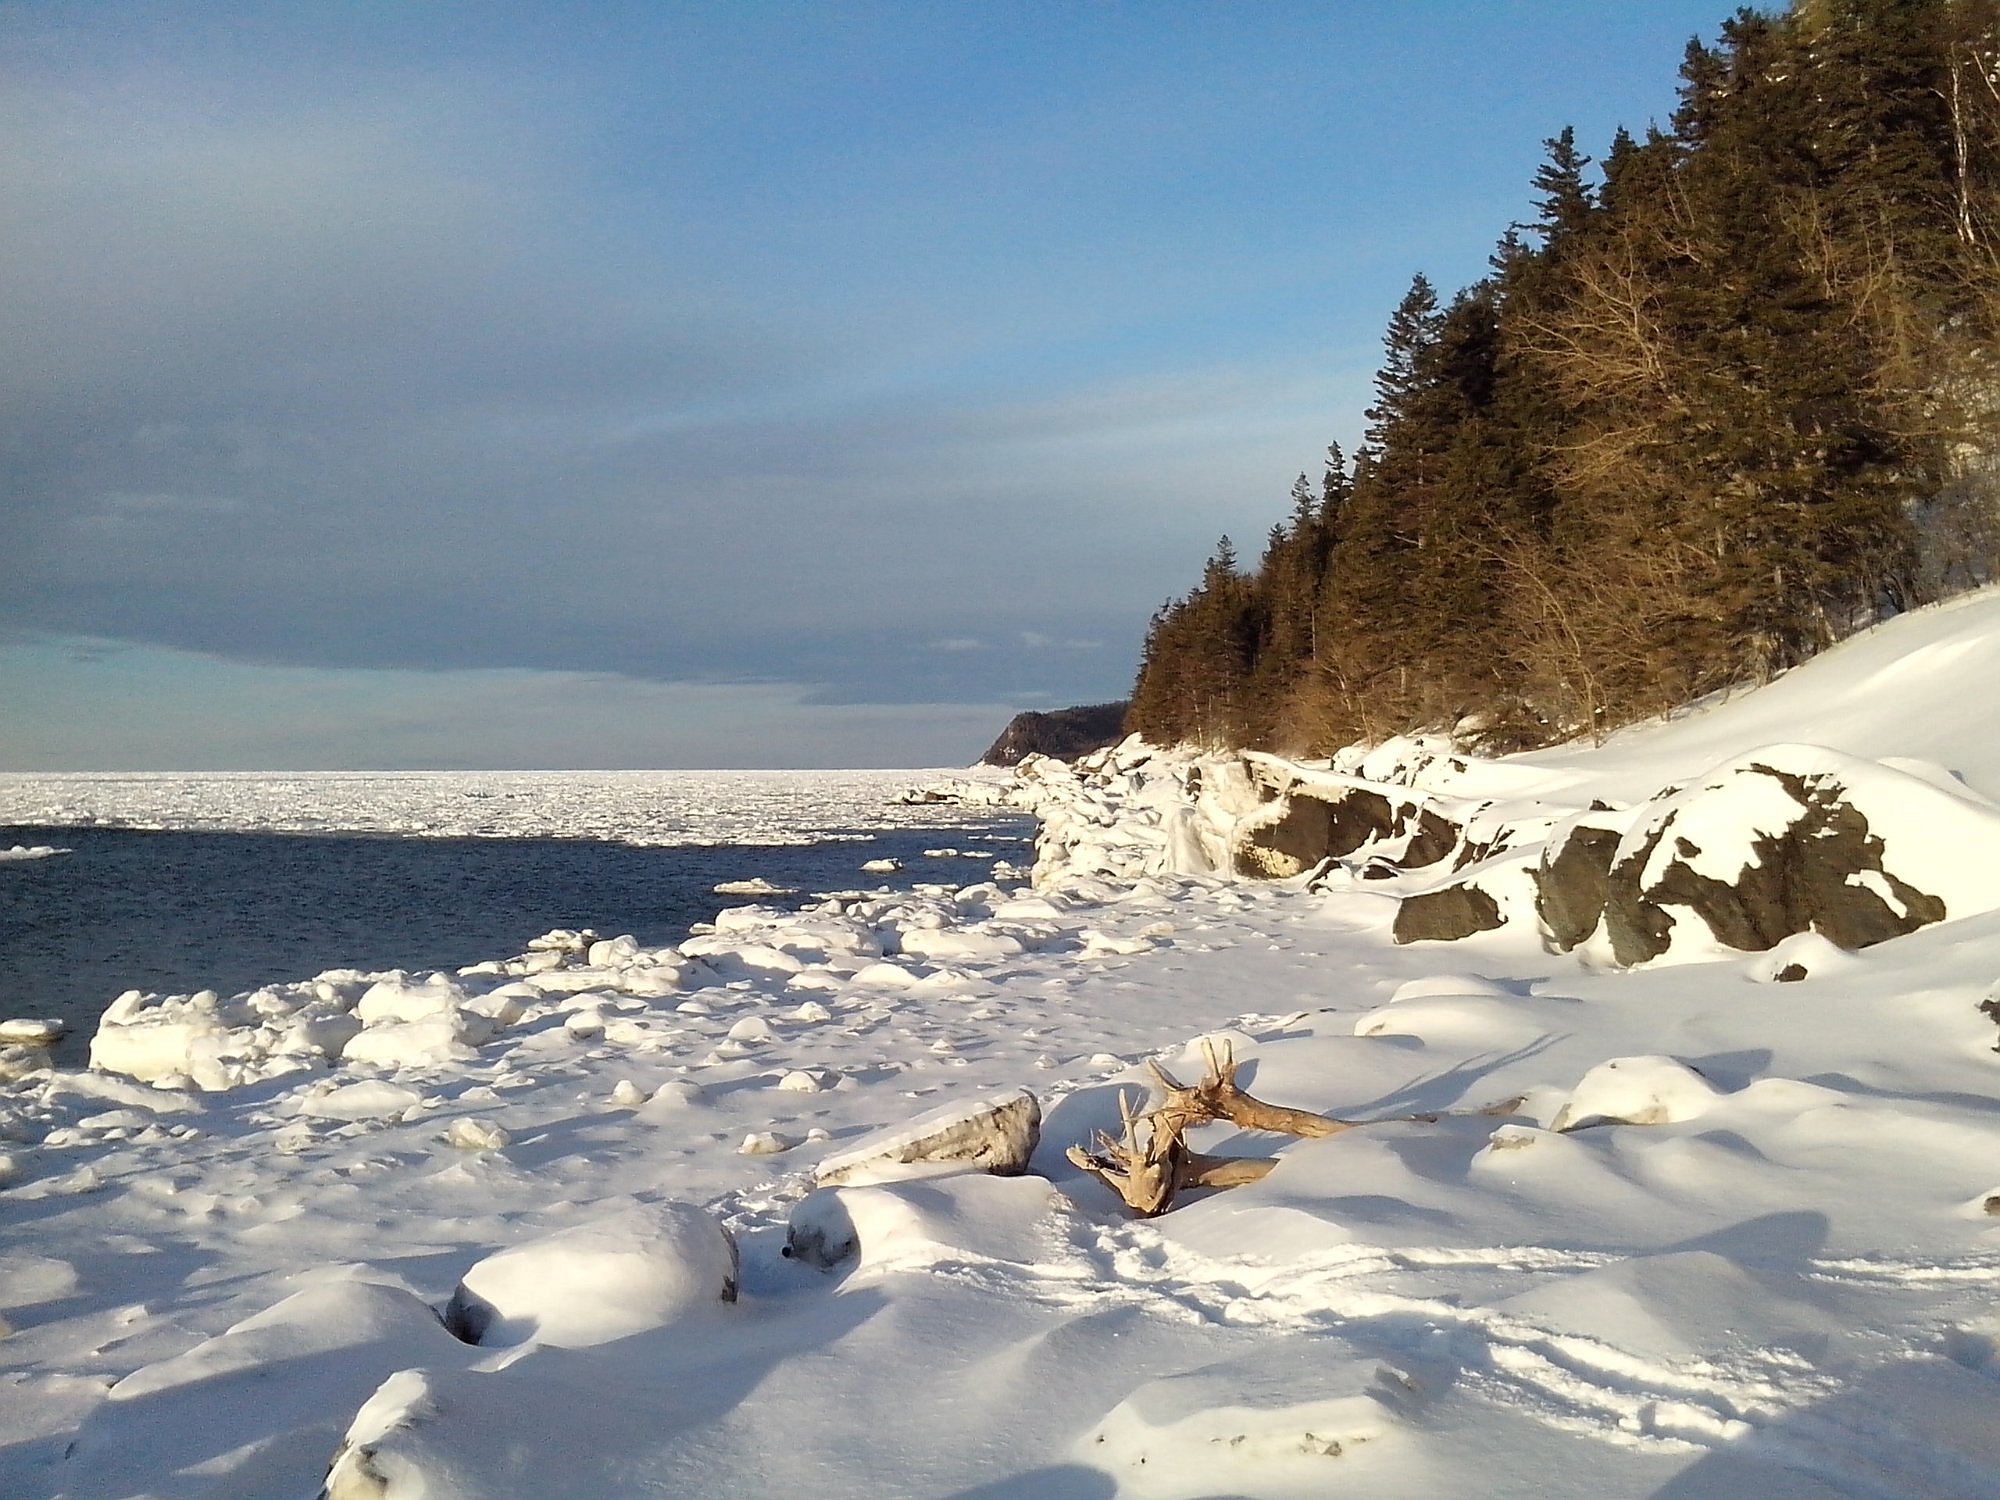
(1152, 1161)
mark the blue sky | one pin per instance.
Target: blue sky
(660, 384)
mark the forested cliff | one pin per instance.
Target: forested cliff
(1725, 397)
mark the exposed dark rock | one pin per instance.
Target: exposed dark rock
(1797, 880)
(1063, 733)
(1990, 1008)
(1322, 823)
(1572, 882)
(1445, 915)
(1303, 837)
(1475, 852)
(1790, 974)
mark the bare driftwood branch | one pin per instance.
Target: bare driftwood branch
(1151, 1161)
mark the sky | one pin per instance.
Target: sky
(498, 385)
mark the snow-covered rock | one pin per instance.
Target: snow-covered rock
(1636, 1091)
(614, 1276)
(1790, 839)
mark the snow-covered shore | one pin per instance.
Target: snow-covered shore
(1738, 1237)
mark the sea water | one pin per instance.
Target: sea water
(177, 910)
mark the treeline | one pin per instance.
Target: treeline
(1723, 400)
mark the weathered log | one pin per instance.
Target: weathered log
(1147, 1174)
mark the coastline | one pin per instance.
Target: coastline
(1442, 1302)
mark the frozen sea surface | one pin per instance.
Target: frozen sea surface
(630, 807)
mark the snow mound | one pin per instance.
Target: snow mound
(171, 1427)
(1636, 1091)
(909, 1224)
(599, 1281)
(1283, 1413)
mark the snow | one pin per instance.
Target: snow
(608, 1278)
(20, 853)
(1732, 1238)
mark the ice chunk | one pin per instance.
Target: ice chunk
(398, 999)
(757, 885)
(476, 1135)
(371, 1099)
(447, 1036)
(752, 1029)
(30, 1031)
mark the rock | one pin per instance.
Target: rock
(1062, 734)
(1446, 914)
(1328, 820)
(995, 1134)
(599, 1281)
(1809, 862)
(1573, 878)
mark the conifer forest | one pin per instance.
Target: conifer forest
(1726, 396)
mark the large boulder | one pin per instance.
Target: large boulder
(1446, 914)
(1790, 839)
(1495, 893)
(1332, 817)
(1574, 879)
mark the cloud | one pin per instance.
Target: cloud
(83, 704)
(342, 373)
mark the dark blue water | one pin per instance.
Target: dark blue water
(178, 912)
